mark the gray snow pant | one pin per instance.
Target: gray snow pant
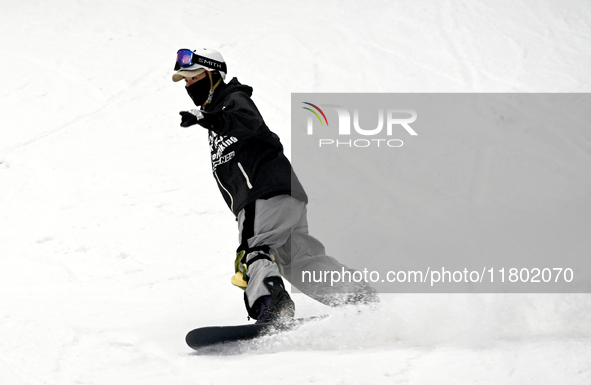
(280, 224)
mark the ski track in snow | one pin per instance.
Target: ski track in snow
(115, 242)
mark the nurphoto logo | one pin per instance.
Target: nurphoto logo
(390, 119)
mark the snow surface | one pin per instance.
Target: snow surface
(115, 241)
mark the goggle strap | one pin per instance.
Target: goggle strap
(210, 63)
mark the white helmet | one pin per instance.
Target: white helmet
(192, 63)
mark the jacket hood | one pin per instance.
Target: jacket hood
(227, 88)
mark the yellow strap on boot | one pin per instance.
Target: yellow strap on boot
(239, 278)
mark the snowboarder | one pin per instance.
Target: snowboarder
(259, 186)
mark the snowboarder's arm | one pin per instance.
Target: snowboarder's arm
(237, 115)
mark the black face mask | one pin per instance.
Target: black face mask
(199, 91)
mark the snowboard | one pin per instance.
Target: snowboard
(214, 335)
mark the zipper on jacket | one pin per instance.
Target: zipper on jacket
(230, 195)
(245, 176)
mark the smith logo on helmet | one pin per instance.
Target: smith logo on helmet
(210, 63)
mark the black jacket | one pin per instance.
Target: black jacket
(247, 158)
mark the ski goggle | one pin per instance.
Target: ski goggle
(184, 58)
(187, 58)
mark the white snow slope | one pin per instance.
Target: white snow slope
(114, 241)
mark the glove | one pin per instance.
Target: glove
(189, 118)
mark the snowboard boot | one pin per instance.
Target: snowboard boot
(278, 307)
